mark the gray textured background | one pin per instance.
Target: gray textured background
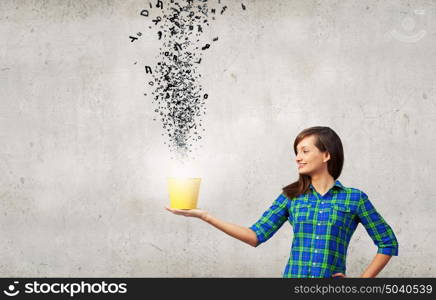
(84, 166)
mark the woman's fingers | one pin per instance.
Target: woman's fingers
(173, 210)
(195, 212)
(178, 211)
(338, 275)
(170, 209)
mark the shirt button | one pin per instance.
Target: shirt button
(319, 223)
(322, 202)
(312, 276)
(320, 211)
(317, 236)
(316, 250)
(314, 264)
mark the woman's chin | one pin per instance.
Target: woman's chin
(304, 173)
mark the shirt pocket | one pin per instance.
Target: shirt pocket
(340, 215)
(303, 212)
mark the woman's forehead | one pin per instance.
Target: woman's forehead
(306, 142)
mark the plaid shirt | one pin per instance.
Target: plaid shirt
(323, 226)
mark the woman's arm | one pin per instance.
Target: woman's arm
(377, 264)
(239, 232)
(267, 225)
(380, 232)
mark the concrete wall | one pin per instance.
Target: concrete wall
(84, 166)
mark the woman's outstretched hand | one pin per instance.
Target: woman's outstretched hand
(339, 275)
(196, 213)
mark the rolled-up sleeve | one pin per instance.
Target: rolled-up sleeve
(378, 229)
(272, 219)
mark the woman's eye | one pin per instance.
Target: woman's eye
(305, 151)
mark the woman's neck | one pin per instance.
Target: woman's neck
(322, 184)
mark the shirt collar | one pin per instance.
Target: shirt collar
(337, 184)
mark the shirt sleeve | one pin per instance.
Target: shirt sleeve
(379, 231)
(272, 219)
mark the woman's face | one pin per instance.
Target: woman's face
(309, 159)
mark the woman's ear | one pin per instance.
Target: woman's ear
(326, 156)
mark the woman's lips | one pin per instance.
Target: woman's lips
(301, 165)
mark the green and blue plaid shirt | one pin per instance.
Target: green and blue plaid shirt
(323, 226)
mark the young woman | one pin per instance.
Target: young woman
(322, 212)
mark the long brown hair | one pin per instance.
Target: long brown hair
(326, 139)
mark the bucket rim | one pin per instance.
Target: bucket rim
(181, 177)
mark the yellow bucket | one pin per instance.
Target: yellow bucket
(183, 192)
